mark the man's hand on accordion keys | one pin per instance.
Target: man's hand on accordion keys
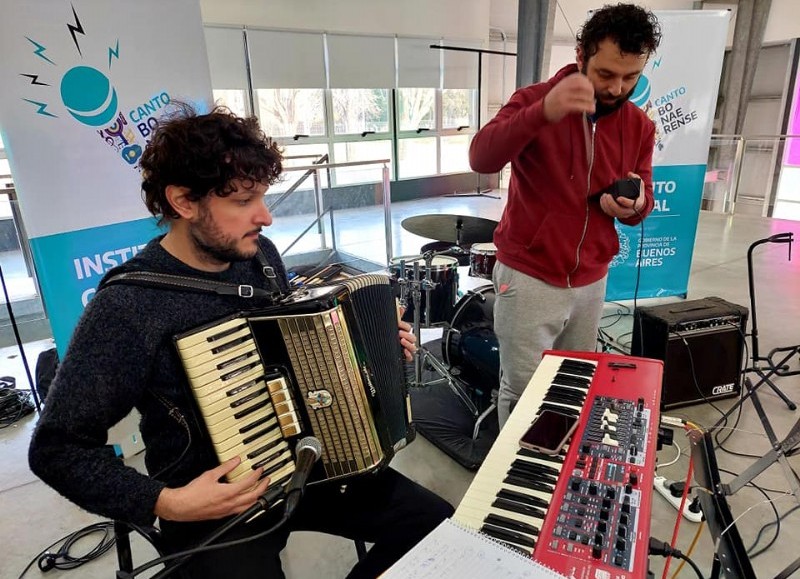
(209, 497)
(407, 338)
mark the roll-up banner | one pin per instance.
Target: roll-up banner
(84, 84)
(678, 91)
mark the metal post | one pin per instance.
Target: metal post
(736, 171)
(387, 213)
(318, 206)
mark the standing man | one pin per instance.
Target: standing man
(568, 140)
(205, 176)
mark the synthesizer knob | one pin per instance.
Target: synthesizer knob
(597, 552)
(634, 478)
(602, 527)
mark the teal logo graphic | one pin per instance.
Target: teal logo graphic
(88, 96)
(641, 93)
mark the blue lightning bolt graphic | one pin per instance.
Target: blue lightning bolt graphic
(113, 52)
(656, 63)
(77, 28)
(34, 79)
(42, 107)
(39, 50)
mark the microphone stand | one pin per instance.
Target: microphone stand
(263, 503)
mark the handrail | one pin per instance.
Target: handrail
(745, 137)
(288, 157)
(318, 199)
(300, 180)
(337, 165)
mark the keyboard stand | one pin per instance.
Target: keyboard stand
(779, 453)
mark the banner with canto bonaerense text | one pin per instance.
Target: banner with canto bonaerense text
(84, 85)
(678, 91)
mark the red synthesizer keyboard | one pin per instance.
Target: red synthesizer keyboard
(586, 512)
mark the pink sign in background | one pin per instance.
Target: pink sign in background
(792, 156)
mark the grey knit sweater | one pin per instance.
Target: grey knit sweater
(122, 356)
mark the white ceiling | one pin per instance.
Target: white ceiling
(570, 14)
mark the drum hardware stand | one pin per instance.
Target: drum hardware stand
(489, 409)
(423, 356)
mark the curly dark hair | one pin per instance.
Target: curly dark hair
(205, 153)
(634, 29)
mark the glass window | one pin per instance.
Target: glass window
(234, 99)
(361, 151)
(455, 154)
(416, 108)
(416, 157)
(360, 110)
(458, 108)
(286, 112)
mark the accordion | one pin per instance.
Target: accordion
(326, 362)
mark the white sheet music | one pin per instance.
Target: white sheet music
(453, 551)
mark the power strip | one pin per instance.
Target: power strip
(659, 483)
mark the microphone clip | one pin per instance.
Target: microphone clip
(272, 495)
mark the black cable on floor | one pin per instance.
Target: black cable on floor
(61, 558)
(742, 393)
(776, 522)
(767, 526)
(14, 404)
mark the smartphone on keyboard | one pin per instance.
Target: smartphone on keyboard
(549, 432)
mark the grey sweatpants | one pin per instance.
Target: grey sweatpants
(531, 316)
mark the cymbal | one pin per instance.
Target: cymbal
(463, 229)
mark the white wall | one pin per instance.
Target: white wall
(783, 22)
(452, 19)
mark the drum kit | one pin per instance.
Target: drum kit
(429, 292)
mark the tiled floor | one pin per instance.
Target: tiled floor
(33, 516)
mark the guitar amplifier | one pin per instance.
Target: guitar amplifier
(701, 343)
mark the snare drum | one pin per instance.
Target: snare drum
(482, 257)
(470, 345)
(444, 273)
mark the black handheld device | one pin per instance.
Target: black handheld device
(549, 432)
(628, 188)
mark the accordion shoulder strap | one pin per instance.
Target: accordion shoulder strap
(185, 283)
(197, 284)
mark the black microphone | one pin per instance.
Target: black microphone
(307, 451)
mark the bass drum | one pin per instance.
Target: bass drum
(470, 344)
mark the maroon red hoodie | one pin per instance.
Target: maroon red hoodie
(552, 226)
